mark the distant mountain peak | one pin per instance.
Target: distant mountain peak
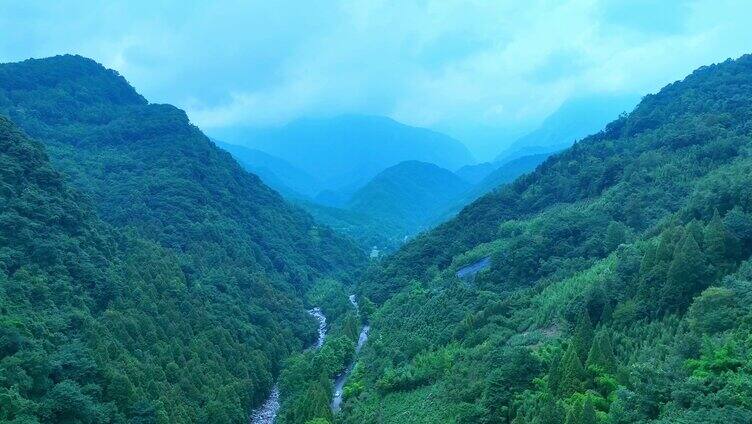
(348, 150)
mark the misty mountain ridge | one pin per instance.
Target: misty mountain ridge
(277, 173)
(349, 150)
(576, 118)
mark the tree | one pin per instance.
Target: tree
(649, 259)
(572, 373)
(601, 355)
(573, 415)
(316, 403)
(715, 310)
(552, 412)
(588, 413)
(715, 243)
(583, 334)
(667, 244)
(350, 327)
(554, 372)
(687, 274)
(616, 234)
(739, 225)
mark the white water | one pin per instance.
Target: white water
(267, 412)
(339, 382)
(321, 318)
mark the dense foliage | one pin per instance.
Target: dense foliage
(407, 196)
(183, 302)
(501, 175)
(306, 380)
(618, 289)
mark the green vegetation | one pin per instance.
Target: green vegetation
(407, 195)
(619, 287)
(306, 381)
(152, 279)
(396, 204)
(146, 278)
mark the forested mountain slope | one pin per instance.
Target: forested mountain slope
(199, 302)
(408, 194)
(617, 287)
(396, 204)
(147, 167)
(503, 174)
(643, 164)
(99, 326)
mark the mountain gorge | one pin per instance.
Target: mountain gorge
(149, 274)
(181, 304)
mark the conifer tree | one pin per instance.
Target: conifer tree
(696, 229)
(715, 242)
(572, 373)
(583, 334)
(574, 415)
(554, 373)
(350, 327)
(667, 244)
(687, 275)
(551, 412)
(588, 413)
(317, 400)
(601, 353)
(606, 312)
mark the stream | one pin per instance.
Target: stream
(339, 382)
(267, 412)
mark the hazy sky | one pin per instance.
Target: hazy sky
(474, 69)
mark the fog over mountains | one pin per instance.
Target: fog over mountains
(346, 151)
(356, 173)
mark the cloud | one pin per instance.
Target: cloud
(448, 64)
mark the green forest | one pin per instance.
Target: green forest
(147, 278)
(618, 289)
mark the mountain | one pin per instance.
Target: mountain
(612, 284)
(277, 173)
(396, 204)
(474, 174)
(194, 324)
(98, 325)
(494, 180)
(507, 172)
(349, 150)
(574, 119)
(409, 194)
